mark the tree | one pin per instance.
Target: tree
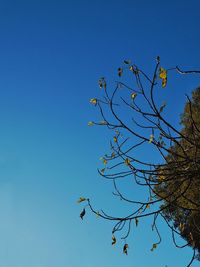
(184, 177)
(171, 180)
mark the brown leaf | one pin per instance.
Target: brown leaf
(81, 199)
(82, 214)
(114, 240)
(125, 249)
(120, 71)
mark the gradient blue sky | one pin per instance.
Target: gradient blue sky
(51, 56)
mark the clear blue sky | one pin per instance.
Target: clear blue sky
(51, 56)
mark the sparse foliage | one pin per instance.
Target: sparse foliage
(172, 183)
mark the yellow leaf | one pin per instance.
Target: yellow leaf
(81, 199)
(151, 138)
(127, 161)
(147, 206)
(114, 240)
(162, 73)
(104, 161)
(90, 123)
(161, 178)
(133, 95)
(93, 101)
(115, 139)
(163, 76)
(97, 214)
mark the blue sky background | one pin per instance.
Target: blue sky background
(52, 54)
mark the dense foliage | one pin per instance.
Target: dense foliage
(183, 177)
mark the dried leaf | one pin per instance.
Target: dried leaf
(127, 162)
(100, 83)
(103, 160)
(162, 143)
(191, 236)
(114, 240)
(162, 107)
(134, 70)
(164, 82)
(127, 62)
(103, 170)
(81, 199)
(161, 178)
(120, 72)
(125, 249)
(154, 246)
(103, 122)
(192, 239)
(163, 76)
(136, 221)
(181, 227)
(147, 206)
(82, 214)
(113, 155)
